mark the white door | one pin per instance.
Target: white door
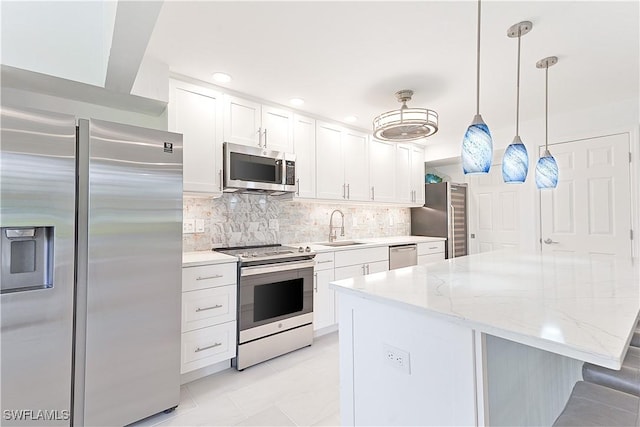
(277, 128)
(242, 121)
(590, 211)
(304, 147)
(329, 162)
(382, 168)
(494, 212)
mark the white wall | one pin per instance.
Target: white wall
(84, 110)
(592, 121)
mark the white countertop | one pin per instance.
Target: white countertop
(583, 309)
(370, 242)
(193, 259)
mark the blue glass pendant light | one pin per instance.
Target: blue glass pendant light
(547, 167)
(477, 146)
(515, 164)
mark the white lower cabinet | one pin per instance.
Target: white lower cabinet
(430, 252)
(323, 297)
(209, 300)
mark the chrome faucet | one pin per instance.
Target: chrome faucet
(332, 231)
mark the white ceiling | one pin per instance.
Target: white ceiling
(349, 58)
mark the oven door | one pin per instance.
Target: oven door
(274, 297)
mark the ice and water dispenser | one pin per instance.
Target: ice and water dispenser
(27, 258)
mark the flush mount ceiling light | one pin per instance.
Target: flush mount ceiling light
(515, 163)
(222, 77)
(547, 167)
(405, 124)
(477, 146)
(296, 101)
(351, 119)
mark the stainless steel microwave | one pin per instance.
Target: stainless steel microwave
(253, 169)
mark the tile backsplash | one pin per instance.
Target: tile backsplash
(247, 219)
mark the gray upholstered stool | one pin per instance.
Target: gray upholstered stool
(594, 405)
(627, 379)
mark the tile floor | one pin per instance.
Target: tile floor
(297, 389)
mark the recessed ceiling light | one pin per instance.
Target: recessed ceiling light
(351, 119)
(222, 77)
(296, 101)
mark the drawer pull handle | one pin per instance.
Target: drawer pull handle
(215, 276)
(208, 347)
(433, 247)
(323, 262)
(208, 308)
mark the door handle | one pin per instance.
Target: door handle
(453, 231)
(265, 138)
(367, 268)
(344, 191)
(220, 174)
(548, 241)
(348, 192)
(199, 349)
(260, 137)
(315, 282)
(298, 187)
(373, 193)
(215, 276)
(363, 273)
(198, 310)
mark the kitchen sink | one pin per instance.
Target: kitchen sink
(340, 243)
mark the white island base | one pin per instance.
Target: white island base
(454, 376)
(492, 339)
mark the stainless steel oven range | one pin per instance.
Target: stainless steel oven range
(275, 301)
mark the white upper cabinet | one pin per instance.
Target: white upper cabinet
(404, 189)
(329, 162)
(196, 113)
(417, 174)
(342, 168)
(277, 129)
(356, 164)
(382, 170)
(304, 147)
(250, 123)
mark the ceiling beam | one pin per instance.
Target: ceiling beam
(134, 24)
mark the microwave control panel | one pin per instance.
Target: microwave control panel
(290, 168)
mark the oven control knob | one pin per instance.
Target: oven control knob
(307, 249)
(300, 249)
(254, 255)
(245, 254)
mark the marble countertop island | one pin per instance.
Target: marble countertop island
(576, 307)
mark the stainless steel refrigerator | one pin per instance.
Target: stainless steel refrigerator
(444, 214)
(91, 248)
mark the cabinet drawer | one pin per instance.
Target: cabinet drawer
(361, 256)
(324, 261)
(208, 346)
(208, 276)
(426, 259)
(430, 248)
(208, 307)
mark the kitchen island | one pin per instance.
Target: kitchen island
(489, 339)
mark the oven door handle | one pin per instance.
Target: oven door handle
(275, 268)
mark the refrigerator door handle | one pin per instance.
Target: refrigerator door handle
(453, 232)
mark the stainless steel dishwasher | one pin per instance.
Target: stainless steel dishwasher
(403, 256)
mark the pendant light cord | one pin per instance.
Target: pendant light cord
(478, 65)
(546, 109)
(518, 89)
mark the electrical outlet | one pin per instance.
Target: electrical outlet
(397, 358)
(199, 225)
(188, 226)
